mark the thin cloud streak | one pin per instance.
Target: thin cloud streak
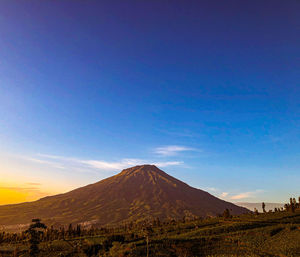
(44, 162)
(165, 164)
(210, 189)
(172, 150)
(102, 165)
(224, 194)
(244, 195)
(125, 163)
(20, 188)
(234, 196)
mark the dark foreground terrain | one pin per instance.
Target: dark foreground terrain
(268, 234)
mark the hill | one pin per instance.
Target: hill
(132, 195)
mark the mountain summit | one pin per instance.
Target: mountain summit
(134, 194)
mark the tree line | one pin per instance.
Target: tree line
(38, 232)
(291, 206)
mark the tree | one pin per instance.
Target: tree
(78, 230)
(70, 230)
(292, 204)
(226, 214)
(286, 207)
(35, 230)
(263, 205)
(147, 231)
(119, 250)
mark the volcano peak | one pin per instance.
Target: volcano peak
(135, 193)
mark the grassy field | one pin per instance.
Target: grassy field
(268, 234)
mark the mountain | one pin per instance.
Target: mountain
(258, 206)
(134, 194)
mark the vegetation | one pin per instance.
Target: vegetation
(34, 234)
(275, 233)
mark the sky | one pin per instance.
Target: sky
(206, 90)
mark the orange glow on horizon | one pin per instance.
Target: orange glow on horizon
(10, 196)
(19, 194)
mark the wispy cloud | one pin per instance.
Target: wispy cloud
(125, 163)
(210, 189)
(224, 194)
(102, 165)
(233, 196)
(172, 150)
(43, 161)
(244, 195)
(230, 194)
(165, 164)
(28, 189)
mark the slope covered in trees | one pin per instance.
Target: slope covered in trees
(262, 234)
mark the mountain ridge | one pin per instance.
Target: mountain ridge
(133, 194)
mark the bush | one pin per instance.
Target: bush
(275, 231)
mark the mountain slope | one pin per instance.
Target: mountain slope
(134, 194)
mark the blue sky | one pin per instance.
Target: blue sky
(207, 90)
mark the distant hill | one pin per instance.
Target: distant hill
(134, 194)
(258, 206)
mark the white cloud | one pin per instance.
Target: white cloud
(68, 162)
(165, 164)
(50, 156)
(125, 163)
(224, 194)
(172, 150)
(244, 195)
(212, 189)
(104, 165)
(44, 162)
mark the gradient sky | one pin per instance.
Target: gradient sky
(206, 90)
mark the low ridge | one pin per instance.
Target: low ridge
(132, 195)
